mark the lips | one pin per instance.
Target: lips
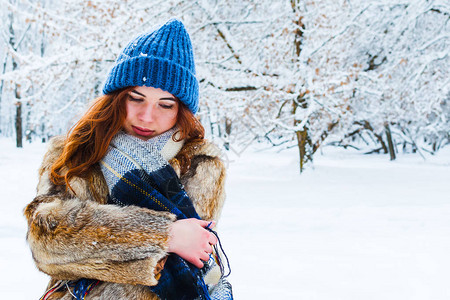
(142, 131)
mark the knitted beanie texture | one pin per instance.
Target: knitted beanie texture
(161, 59)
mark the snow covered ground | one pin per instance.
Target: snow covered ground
(354, 227)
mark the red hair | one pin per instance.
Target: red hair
(191, 130)
(88, 140)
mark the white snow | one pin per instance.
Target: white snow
(354, 227)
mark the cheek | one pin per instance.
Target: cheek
(131, 112)
(173, 119)
(128, 116)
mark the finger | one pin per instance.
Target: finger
(198, 263)
(204, 256)
(209, 250)
(208, 224)
(213, 239)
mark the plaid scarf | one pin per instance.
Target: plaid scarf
(137, 174)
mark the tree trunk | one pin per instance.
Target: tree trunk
(228, 132)
(19, 124)
(5, 60)
(18, 111)
(303, 139)
(390, 142)
(15, 45)
(379, 137)
(301, 143)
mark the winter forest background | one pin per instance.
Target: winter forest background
(370, 75)
(339, 78)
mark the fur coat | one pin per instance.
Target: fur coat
(73, 236)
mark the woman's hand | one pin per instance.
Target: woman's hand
(191, 241)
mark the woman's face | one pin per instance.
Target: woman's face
(150, 112)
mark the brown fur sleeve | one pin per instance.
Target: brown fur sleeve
(205, 180)
(71, 237)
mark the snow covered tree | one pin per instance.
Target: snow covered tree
(266, 75)
(288, 72)
(403, 86)
(81, 40)
(16, 32)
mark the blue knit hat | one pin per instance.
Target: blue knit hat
(161, 59)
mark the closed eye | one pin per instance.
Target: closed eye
(166, 106)
(135, 99)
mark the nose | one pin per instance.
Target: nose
(147, 113)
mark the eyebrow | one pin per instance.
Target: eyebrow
(165, 98)
(136, 92)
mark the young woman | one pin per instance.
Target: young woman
(126, 202)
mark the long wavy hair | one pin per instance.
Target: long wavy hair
(88, 140)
